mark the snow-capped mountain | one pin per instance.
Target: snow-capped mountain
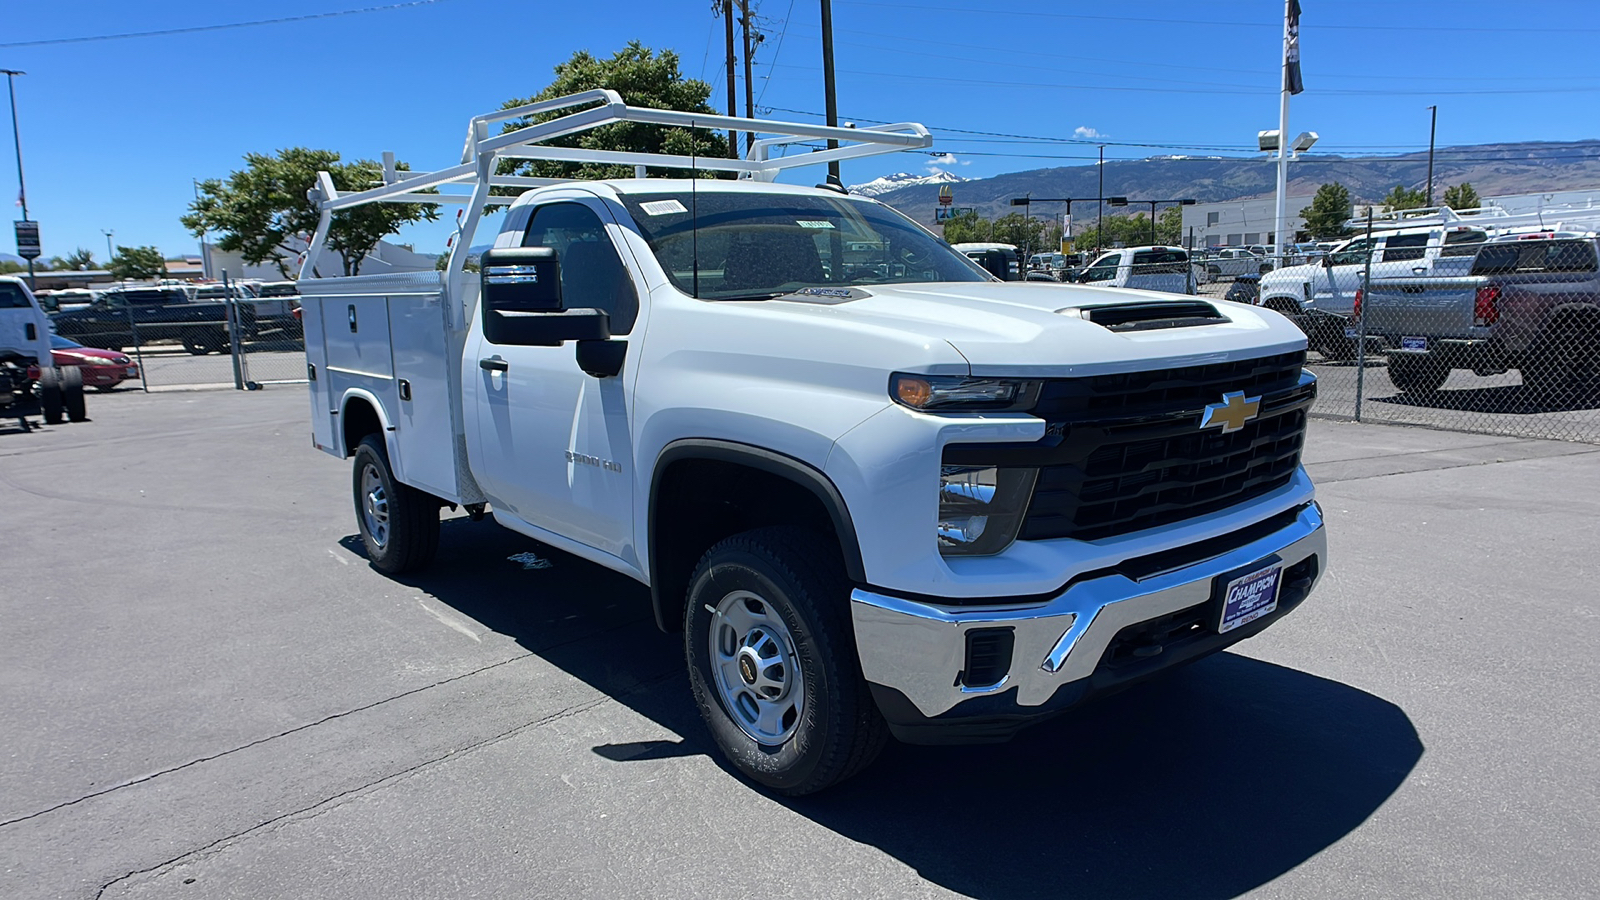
(901, 180)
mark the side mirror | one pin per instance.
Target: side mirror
(522, 305)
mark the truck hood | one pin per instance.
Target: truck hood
(1024, 328)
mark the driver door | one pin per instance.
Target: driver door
(553, 442)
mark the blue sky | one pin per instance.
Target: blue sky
(114, 130)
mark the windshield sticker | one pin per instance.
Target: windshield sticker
(663, 207)
(814, 223)
(826, 296)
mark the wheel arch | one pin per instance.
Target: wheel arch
(674, 548)
(361, 413)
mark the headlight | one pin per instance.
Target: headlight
(981, 508)
(947, 393)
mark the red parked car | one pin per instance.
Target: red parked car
(102, 369)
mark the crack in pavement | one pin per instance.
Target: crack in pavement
(302, 727)
(333, 802)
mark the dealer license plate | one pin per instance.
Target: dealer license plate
(133, 371)
(1349, 331)
(1249, 597)
(1413, 343)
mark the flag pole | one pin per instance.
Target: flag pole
(1282, 219)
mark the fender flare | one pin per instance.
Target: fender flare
(787, 467)
(377, 406)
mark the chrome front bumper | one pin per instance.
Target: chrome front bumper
(919, 648)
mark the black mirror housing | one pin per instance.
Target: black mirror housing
(513, 328)
(521, 279)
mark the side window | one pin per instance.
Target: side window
(12, 297)
(1401, 247)
(592, 274)
(1104, 269)
(1353, 254)
(1463, 243)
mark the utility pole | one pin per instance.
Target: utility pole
(733, 104)
(1280, 226)
(16, 136)
(1100, 207)
(830, 99)
(749, 81)
(1433, 128)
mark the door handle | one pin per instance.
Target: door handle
(493, 365)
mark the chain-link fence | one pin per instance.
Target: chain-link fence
(1451, 326)
(183, 336)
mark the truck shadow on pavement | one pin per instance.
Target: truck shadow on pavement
(1509, 398)
(1206, 784)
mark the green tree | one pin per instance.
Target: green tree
(968, 228)
(7, 267)
(77, 259)
(1169, 226)
(643, 78)
(1329, 210)
(1026, 233)
(262, 212)
(137, 264)
(1462, 196)
(1403, 197)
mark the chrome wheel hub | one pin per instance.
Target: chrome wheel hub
(374, 506)
(754, 665)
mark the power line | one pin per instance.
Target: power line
(194, 29)
(1273, 25)
(1235, 92)
(778, 49)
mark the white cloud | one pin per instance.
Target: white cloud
(1085, 133)
(935, 165)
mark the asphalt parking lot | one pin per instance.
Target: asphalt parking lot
(206, 692)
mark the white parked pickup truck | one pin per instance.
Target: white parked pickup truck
(875, 490)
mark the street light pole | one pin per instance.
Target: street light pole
(1433, 128)
(16, 137)
(109, 252)
(1100, 207)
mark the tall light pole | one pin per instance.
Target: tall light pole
(16, 137)
(1433, 128)
(1187, 201)
(1100, 207)
(109, 252)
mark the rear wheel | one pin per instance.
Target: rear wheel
(399, 524)
(1417, 374)
(1565, 362)
(72, 394)
(50, 395)
(772, 662)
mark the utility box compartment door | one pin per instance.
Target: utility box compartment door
(423, 425)
(323, 411)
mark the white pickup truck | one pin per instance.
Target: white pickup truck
(876, 490)
(30, 382)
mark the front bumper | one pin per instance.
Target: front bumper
(1104, 631)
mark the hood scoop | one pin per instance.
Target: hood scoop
(1149, 316)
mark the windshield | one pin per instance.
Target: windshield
(57, 342)
(725, 245)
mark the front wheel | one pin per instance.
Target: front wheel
(399, 524)
(72, 394)
(772, 663)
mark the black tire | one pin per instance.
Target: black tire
(407, 519)
(50, 396)
(796, 578)
(72, 394)
(1564, 363)
(1264, 268)
(200, 341)
(1417, 374)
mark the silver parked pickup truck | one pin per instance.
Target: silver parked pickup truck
(1531, 305)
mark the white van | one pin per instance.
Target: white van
(1143, 268)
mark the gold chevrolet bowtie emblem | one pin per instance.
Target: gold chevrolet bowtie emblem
(1234, 410)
